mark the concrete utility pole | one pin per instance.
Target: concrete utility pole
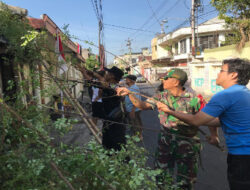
(162, 26)
(130, 52)
(193, 27)
(99, 39)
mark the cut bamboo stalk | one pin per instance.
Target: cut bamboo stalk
(92, 127)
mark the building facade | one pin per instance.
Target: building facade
(175, 49)
(135, 63)
(71, 50)
(204, 73)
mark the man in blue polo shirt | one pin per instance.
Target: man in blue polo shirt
(229, 109)
(133, 113)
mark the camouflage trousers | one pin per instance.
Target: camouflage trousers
(178, 157)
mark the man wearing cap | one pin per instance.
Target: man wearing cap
(178, 143)
(133, 112)
(113, 134)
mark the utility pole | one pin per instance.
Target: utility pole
(193, 27)
(162, 26)
(99, 39)
(130, 52)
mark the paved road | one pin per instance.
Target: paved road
(213, 174)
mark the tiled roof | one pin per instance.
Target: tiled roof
(36, 23)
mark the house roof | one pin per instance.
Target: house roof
(14, 10)
(46, 23)
(36, 23)
(214, 20)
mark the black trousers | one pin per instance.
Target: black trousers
(97, 109)
(113, 135)
(238, 172)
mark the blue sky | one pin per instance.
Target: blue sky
(136, 14)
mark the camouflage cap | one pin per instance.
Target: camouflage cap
(178, 74)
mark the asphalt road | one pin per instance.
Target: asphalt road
(212, 173)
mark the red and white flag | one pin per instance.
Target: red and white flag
(79, 48)
(59, 52)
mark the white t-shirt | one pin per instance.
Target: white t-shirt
(95, 94)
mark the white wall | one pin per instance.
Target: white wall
(161, 52)
(204, 76)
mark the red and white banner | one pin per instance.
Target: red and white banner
(59, 52)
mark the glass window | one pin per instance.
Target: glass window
(176, 48)
(208, 42)
(183, 46)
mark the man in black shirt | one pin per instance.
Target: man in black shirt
(113, 133)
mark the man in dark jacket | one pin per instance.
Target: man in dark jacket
(113, 134)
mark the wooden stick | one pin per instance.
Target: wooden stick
(92, 127)
(53, 165)
(29, 125)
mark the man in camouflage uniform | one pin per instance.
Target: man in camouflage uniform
(178, 144)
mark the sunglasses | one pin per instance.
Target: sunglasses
(223, 71)
(166, 78)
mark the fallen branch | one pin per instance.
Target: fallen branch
(53, 165)
(29, 125)
(90, 124)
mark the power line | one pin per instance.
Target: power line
(116, 29)
(153, 11)
(95, 11)
(207, 13)
(181, 25)
(148, 20)
(167, 11)
(128, 28)
(187, 20)
(170, 9)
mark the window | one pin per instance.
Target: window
(176, 49)
(183, 46)
(205, 42)
(208, 42)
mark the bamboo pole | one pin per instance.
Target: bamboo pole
(92, 127)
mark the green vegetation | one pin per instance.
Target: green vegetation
(92, 63)
(237, 16)
(30, 158)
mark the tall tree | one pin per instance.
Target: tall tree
(237, 16)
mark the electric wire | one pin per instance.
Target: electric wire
(161, 6)
(128, 28)
(151, 8)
